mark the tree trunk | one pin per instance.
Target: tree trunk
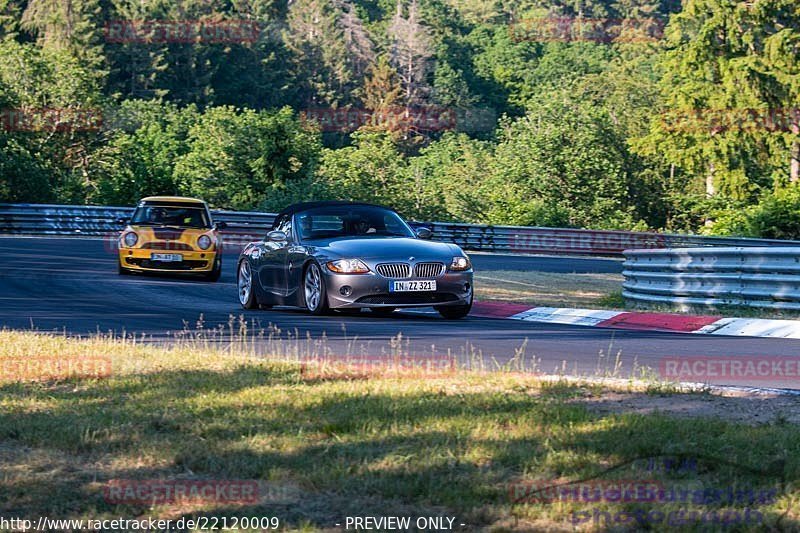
(710, 189)
(794, 171)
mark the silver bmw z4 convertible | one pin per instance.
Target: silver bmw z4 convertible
(327, 256)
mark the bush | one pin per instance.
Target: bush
(237, 159)
(776, 216)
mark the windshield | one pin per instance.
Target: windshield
(161, 215)
(350, 221)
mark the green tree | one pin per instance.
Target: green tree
(139, 160)
(239, 159)
(726, 58)
(371, 169)
(24, 177)
(569, 158)
(452, 179)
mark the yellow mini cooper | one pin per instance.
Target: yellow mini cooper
(171, 234)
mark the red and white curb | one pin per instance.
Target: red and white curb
(700, 324)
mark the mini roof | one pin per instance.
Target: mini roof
(176, 199)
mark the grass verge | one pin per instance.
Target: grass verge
(547, 288)
(332, 441)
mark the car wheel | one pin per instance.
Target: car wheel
(314, 290)
(455, 311)
(122, 270)
(216, 272)
(244, 282)
(382, 311)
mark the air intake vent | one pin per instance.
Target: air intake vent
(394, 270)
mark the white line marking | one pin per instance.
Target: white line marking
(561, 315)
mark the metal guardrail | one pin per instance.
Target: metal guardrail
(764, 277)
(38, 219)
(67, 220)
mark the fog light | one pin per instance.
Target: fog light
(466, 287)
(347, 290)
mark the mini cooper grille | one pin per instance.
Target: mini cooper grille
(394, 270)
(167, 245)
(428, 270)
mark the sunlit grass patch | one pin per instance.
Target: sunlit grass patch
(384, 443)
(547, 288)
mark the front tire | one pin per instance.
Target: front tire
(121, 270)
(315, 292)
(244, 283)
(453, 312)
(216, 272)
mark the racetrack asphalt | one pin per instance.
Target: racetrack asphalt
(71, 284)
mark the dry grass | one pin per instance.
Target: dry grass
(332, 443)
(547, 288)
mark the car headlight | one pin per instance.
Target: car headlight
(460, 263)
(130, 239)
(348, 266)
(204, 242)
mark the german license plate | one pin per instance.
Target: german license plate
(412, 286)
(167, 258)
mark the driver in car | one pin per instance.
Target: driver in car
(158, 215)
(362, 227)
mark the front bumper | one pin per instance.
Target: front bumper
(140, 260)
(372, 290)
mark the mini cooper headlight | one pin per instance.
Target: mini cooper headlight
(348, 266)
(460, 263)
(130, 239)
(204, 242)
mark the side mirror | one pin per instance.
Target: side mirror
(121, 220)
(277, 236)
(424, 233)
(221, 225)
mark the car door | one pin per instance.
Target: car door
(273, 262)
(283, 257)
(296, 255)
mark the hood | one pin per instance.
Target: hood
(392, 248)
(171, 233)
(171, 237)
